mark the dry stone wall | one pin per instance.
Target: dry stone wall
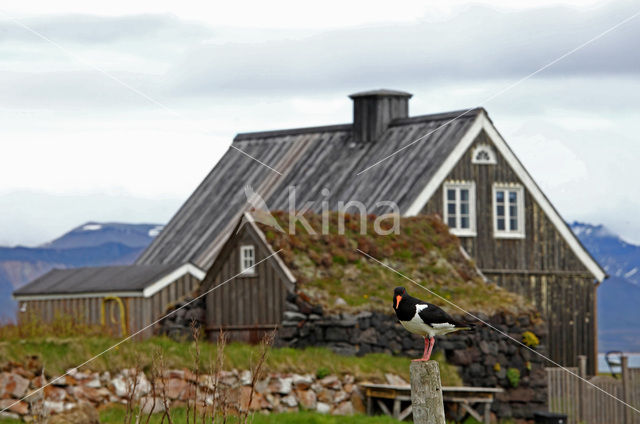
(485, 357)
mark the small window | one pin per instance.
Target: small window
(247, 260)
(483, 155)
(508, 211)
(460, 207)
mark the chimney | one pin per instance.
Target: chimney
(374, 110)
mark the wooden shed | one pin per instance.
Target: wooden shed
(251, 298)
(125, 298)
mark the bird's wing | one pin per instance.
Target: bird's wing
(433, 314)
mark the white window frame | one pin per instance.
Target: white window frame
(490, 153)
(507, 232)
(457, 185)
(244, 269)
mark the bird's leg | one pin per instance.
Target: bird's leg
(432, 342)
(425, 355)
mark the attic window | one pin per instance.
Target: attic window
(247, 260)
(483, 155)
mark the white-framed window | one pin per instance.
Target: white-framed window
(460, 207)
(508, 211)
(483, 155)
(247, 260)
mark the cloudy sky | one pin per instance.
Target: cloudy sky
(77, 145)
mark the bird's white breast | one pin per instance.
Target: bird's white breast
(417, 326)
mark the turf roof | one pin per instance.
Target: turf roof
(329, 266)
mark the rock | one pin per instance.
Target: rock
(331, 382)
(302, 382)
(119, 386)
(357, 401)
(340, 302)
(281, 385)
(55, 394)
(521, 394)
(294, 316)
(325, 396)
(340, 396)
(53, 406)
(323, 408)
(337, 334)
(84, 413)
(13, 385)
(245, 378)
(176, 388)
(370, 335)
(395, 380)
(258, 401)
(307, 399)
(16, 406)
(287, 332)
(151, 405)
(289, 401)
(345, 349)
(9, 415)
(86, 393)
(345, 408)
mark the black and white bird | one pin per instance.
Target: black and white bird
(424, 319)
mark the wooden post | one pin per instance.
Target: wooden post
(582, 388)
(627, 396)
(426, 393)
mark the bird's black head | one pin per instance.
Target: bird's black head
(398, 294)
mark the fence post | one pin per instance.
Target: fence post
(582, 392)
(426, 393)
(626, 389)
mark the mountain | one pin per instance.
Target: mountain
(619, 258)
(619, 295)
(91, 244)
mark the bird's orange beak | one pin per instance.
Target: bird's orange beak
(398, 299)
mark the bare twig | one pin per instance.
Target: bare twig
(256, 372)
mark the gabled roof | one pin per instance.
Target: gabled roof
(310, 159)
(317, 158)
(132, 280)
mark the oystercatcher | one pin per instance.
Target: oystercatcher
(424, 319)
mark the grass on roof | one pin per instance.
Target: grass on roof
(329, 266)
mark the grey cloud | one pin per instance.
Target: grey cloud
(478, 44)
(89, 29)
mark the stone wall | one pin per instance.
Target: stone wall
(485, 357)
(82, 390)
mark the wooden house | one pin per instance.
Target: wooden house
(127, 299)
(455, 164)
(255, 301)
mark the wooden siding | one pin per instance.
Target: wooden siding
(139, 311)
(541, 266)
(246, 306)
(156, 305)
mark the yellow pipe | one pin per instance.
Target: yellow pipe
(123, 321)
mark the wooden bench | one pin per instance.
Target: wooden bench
(463, 400)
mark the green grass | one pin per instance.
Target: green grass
(58, 355)
(115, 414)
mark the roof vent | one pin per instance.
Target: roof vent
(374, 110)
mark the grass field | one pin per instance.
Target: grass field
(58, 355)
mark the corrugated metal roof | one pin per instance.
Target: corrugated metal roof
(131, 278)
(311, 159)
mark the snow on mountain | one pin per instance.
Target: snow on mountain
(618, 257)
(90, 244)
